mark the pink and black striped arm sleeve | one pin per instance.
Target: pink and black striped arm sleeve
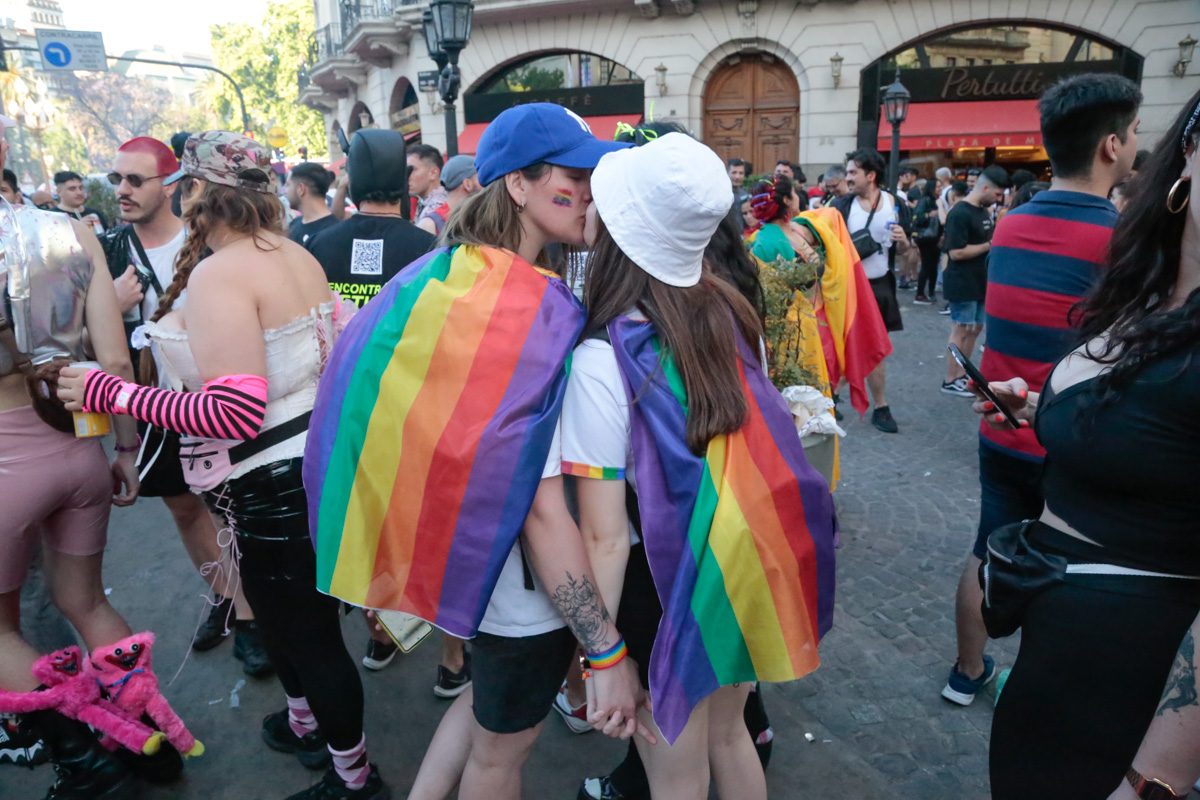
(230, 407)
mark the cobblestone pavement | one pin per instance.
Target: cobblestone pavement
(908, 505)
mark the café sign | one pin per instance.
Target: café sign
(993, 82)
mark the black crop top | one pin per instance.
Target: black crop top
(1127, 474)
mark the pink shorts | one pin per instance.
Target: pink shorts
(51, 484)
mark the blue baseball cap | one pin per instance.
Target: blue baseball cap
(534, 132)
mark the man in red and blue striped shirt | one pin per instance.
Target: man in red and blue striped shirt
(1044, 258)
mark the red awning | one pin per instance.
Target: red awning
(942, 126)
(603, 127)
(468, 140)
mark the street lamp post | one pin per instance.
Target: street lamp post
(895, 107)
(447, 28)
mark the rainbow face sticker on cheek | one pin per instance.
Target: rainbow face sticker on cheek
(564, 198)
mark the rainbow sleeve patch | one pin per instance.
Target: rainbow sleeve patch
(588, 471)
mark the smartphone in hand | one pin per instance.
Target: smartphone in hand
(982, 385)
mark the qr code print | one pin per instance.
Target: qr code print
(367, 257)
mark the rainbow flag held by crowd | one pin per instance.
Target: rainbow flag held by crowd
(431, 429)
(740, 541)
(852, 331)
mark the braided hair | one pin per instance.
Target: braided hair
(241, 211)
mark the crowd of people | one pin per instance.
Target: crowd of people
(520, 398)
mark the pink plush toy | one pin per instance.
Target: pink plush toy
(77, 696)
(124, 674)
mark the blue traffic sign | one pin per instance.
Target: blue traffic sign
(57, 54)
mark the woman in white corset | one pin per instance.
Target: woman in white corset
(243, 354)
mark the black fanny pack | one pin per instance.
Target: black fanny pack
(863, 241)
(1014, 573)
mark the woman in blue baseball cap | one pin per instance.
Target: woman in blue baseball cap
(535, 163)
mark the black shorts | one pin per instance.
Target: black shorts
(884, 289)
(158, 463)
(515, 678)
(640, 611)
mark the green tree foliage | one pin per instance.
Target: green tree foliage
(529, 78)
(264, 60)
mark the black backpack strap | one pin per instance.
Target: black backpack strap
(269, 438)
(145, 259)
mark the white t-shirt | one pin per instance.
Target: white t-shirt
(875, 266)
(162, 261)
(595, 419)
(514, 610)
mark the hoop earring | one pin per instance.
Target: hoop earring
(1171, 196)
(521, 207)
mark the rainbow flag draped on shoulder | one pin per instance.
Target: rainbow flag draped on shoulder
(740, 541)
(431, 428)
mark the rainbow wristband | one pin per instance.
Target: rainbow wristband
(610, 657)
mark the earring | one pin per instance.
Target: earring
(521, 207)
(1171, 196)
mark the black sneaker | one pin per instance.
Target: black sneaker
(248, 648)
(452, 684)
(922, 300)
(213, 631)
(332, 787)
(311, 749)
(602, 788)
(882, 419)
(945, 310)
(19, 746)
(379, 654)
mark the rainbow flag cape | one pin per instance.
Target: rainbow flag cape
(740, 541)
(431, 428)
(852, 331)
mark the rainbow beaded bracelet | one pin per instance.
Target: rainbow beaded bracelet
(610, 657)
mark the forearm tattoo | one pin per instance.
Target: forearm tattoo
(583, 610)
(1181, 685)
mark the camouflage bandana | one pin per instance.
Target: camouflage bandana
(227, 158)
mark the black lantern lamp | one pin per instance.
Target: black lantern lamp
(895, 109)
(447, 27)
(452, 21)
(431, 40)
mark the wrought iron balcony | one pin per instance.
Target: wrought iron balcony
(355, 12)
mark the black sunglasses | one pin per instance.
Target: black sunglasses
(135, 181)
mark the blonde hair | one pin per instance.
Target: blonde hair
(491, 218)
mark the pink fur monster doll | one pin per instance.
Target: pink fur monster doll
(77, 696)
(123, 671)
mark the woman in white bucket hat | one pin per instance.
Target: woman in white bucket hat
(665, 394)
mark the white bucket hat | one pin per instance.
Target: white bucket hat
(662, 202)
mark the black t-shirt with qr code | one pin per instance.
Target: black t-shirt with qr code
(363, 252)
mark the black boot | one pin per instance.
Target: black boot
(86, 771)
(163, 767)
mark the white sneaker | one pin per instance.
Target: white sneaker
(576, 718)
(957, 387)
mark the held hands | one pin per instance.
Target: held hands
(71, 381)
(1015, 395)
(614, 696)
(129, 290)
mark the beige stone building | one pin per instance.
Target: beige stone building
(759, 79)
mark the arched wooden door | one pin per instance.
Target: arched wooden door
(752, 111)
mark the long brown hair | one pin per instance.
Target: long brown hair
(698, 325)
(491, 218)
(241, 211)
